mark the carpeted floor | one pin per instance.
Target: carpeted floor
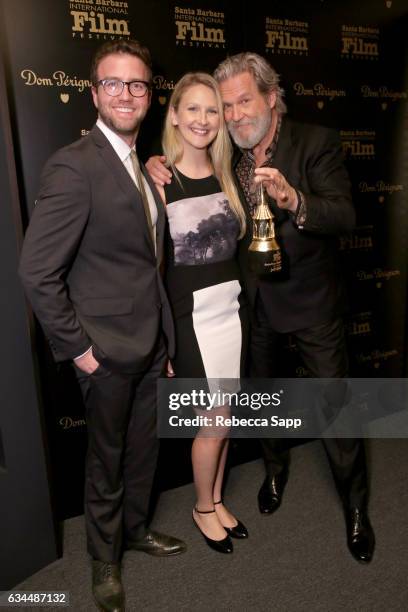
(294, 561)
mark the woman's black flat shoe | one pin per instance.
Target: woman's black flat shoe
(222, 546)
(239, 530)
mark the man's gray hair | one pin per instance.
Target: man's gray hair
(266, 78)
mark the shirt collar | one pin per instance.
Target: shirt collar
(120, 147)
(271, 149)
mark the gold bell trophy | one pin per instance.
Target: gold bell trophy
(264, 253)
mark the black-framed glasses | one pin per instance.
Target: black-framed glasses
(114, 87)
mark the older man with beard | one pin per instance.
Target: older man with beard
(302, 169)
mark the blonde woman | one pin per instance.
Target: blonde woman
(206, 220)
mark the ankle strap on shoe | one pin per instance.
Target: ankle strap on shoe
(203, 511)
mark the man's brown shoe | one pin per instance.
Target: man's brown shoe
(158, 544)
(107, 586)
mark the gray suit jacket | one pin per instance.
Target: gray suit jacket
(88, 263)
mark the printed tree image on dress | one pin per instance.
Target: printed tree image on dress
(214, 239)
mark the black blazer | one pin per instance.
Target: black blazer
(88, 263)
(309, 291)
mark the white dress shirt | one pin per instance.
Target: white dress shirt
(123, 152)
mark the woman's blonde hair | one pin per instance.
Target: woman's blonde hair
(219, 151)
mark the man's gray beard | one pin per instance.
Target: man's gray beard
(260, 127)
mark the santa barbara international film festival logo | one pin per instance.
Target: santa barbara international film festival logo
(320, 92)
(58, 79)
(359, 324)
(197, 27)
(286, 36)
(99, 19)
(358, 144)
(361, 239)
(359, 42)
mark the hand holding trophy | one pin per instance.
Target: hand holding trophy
(264, 253)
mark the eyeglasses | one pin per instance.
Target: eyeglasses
(114, 87)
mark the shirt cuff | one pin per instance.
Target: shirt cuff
(301, 210)
(83, 354)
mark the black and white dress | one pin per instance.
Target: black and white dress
(203, 280)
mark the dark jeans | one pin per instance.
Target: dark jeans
(323, 351)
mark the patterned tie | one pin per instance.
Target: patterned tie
(140, 182)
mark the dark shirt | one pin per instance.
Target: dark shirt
(245, 173)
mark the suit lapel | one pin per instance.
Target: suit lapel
(283, 156)
(282, 161)
(123, 178)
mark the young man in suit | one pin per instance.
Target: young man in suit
(302, 169)
(91, 269)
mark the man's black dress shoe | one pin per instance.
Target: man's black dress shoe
(107, 586)
(223, 546)
(158, 544)
(360, 535)
(270, 493)
(238, 531)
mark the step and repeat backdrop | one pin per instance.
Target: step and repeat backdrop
(343, 64)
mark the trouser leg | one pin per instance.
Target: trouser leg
(121, 455)
(264, 351)
(323, 351)
(108, 400)
(141, 451)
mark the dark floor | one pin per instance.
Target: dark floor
(296, 560)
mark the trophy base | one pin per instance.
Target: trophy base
(265, 262)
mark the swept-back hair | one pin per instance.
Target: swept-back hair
(122, 45)
(266, 78)
(219, 151)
